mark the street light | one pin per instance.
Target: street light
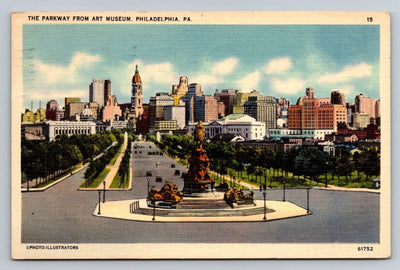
(284, 190)
(265, 204)
(104, 191)
(308, 200)
(148, 186)
(154, 208)
(99, 213)
(326, 174)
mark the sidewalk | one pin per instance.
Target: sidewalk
(336, 188)
(330, 187)
(121, 210)
(55, 182)
(114, 168)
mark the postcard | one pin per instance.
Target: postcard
(200, 135)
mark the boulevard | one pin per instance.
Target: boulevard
(63, 214)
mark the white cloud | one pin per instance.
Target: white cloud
(345, 89)
(206, 79)
(48, 73)
(289, 86)
(249, 82)
(349, 72)
(278, 65)
(225, 67)
(158, 72)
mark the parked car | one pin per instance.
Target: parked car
(149, 173)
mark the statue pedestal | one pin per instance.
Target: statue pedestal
(190, 188)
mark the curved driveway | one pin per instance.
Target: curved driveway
(62, 214)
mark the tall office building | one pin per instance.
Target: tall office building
(207, 108)
(180, 90)
(157, 106)
(228, 97)
(189, 99)
(312, 113)
(338, 98)
(263, 109)
(137, 95)
(176, 113)
(365, 104)
(99, 89)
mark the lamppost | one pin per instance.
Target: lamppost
(148, 186)
(99, 213)
(27, 185)
(308, 200)
(104, 191)
(154, 208)
(326, 174)
(284, 190)
(265, 204)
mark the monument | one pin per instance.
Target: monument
(198, 179)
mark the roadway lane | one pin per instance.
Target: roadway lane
(62, 214)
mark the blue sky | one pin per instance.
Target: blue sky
(277, 60)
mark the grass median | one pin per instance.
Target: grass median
(117, 183)
(98, 180)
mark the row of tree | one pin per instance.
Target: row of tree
(307, 161)
(124, 165)
(98, 165)
(43, 161)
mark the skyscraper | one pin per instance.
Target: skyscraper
(137, 95)
(99, 89)
(180, 90)
(263, 109)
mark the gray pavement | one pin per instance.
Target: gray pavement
(62, 214)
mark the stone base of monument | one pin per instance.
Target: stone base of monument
(200, 210)
(198, 189)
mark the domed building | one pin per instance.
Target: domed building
(86, 114)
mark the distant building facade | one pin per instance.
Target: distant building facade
(99, 89)
(180, 90)
(263, 109)
(176, 113)
(157, 107)
(111, 110)
(69, 128)
(236, 124)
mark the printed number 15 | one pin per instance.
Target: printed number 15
(370, 19)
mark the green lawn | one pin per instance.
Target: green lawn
(112, 161)
(218, 180)
(116, 183)
(99, 179)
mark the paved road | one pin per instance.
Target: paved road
(62, 214)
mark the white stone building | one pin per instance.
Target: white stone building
(236, 124)
(54, 128)
(299, 133)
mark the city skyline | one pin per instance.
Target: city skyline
(277, 60)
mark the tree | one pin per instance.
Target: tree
(357, 164)
(344, 166)
(311, 161)
(370, 162)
